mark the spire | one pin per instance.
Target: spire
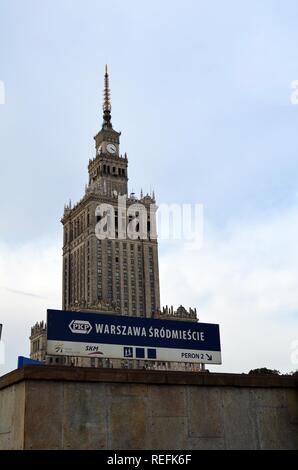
(106, 101)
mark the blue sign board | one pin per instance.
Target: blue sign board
(24, 361)
(117, 336)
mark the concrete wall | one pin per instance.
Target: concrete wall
(49, 407)
(12, 414)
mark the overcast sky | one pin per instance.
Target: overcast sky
(201, 92)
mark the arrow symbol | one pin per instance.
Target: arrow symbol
(209, 357)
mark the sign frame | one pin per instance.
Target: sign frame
(102, 335)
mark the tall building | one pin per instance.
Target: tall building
(117, 274)
(110, 250)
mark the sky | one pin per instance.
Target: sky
(201, 92)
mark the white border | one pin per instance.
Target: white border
(116, 351)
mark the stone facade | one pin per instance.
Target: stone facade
(168, 313)
(38, 340)
(44, 407)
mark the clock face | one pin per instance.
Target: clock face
(111, 148)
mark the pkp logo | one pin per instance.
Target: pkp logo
(82, 327)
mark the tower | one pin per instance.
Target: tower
(113, 271)
(116, 274)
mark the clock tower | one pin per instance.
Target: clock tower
(117, 275)
(108, 171)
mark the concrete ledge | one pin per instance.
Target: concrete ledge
(86, 374)
(56, 407)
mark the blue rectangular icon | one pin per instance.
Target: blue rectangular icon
(151, 353)
(140, 353)
(128, 352)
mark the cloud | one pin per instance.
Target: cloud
(244, 278)
(19, 292)
(30, 282)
